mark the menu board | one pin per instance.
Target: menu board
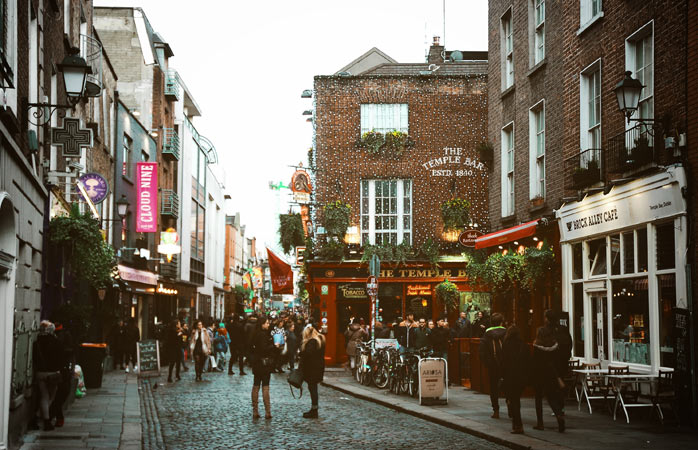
(148, 357)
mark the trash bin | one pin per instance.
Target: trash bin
(91, 359)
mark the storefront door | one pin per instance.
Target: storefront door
(599, 315)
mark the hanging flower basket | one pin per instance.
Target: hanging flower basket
(455, 213)
(393, 143)
(291, 234)
(448, 294)
(336, 218)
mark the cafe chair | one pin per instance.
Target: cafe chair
(662, 393)
(571, 380)
(611, 391)
(593, 387)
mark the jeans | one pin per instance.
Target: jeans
(262, 379)
(312, 388)
(495, 381)
(62, 391)
(48, 392)
(552, 392)
(174, 362)
(238, 354)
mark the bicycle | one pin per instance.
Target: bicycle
(363, 363)
(381, 368)
(413, 357)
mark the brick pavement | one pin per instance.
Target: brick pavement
(470, 411)
(216, 413)
(108, 417)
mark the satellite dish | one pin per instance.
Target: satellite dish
(456, 56)
(344, 74)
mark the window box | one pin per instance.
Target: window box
(586, 176)
(537, 202)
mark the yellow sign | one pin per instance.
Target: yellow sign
(419, 289)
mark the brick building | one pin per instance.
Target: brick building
(396, 198)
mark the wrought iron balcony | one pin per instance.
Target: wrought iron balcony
(639, 149)
(172, 85)
(169, 203)
(91, 51)
(171, 145)
(170, 269)
(584, 169)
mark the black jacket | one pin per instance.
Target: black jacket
(236, 333)
(262, 347)
(492, 343)
(249, 331)
(47, 354)
(516, 366)
(312, 362)
(439, 338)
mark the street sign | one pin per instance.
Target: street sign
(372, 286)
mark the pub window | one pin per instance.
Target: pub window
(665, 246)
(629, 252)
(386, 212)
(127, 152)
(666, 304)
(578, 319)
(597, 257)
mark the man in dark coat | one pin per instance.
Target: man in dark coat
(249, 332)
(491, 356)
(236, 334)
(133, 335)
(117, 344)
(68, 345)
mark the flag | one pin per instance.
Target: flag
(281, 274)
(247, 281)
(258, 277)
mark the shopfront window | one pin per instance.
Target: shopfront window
(629, 252)
(667, 303)
(631, 321)
(615, 254)
(577, 270)
(665, 246)
(578, 320)
(641, 235)
(597, 257)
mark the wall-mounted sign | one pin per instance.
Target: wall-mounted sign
(301, 186)
(169, 242)
(139, 276)
(419, 289)
(147, 196)
(467, 237)
(71, 138)
(96, 187)
(324, 289)
(351, 291)
(453, 162)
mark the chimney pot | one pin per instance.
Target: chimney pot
(436, 40)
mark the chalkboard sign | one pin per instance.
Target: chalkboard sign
(148, 357)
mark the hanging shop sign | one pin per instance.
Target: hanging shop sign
(139, 276)
(419, 289)
(467, 237)
(71, 138)
(169, 242)
(147, 196)
(301, 186)
(96, 186)
(453, 162)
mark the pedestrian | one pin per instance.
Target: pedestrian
(478, 326)
(291, 344)
(209, 364)
(491, 355)
(422, 335)
(173, 348)
(48, 360)
(263, 355)
(221, 343)
(67, 344)
(546, 380)
(462, 325)
(237, 344)
(440, 339)
(353, 335)
(117, 343)
(184, 346)
(312, 365)
(133, 335)
(515, 369)
(407, 328)
(200, 347)
(279, 336)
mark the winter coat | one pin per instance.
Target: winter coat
(262, 347)
(354, 334)
(133, 335)
(491, 346)
(291, 343)
(221, 342)
(47, 354)
(205, 341)
(382, 332)
(475, 328)
(173, 344)
(312, 361)
(422, 337)
(236, 334)
(516, 362)
(440, 337)
(405, 335)
(544, 372)
(249, 332)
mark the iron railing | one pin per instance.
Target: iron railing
(91, 51)
(170, 269)
(172, 84)
(639, 149)
(171, 144)
(169, 203)
(584, 169)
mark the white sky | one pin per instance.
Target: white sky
(247, 62)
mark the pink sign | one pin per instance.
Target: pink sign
(147, 192)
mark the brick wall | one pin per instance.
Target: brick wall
(531, 85)
(444, 111)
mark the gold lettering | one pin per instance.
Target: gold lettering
(422, 273)
(447, 273)
(390, 274)
(402, 273)
(412, 273)
(461, 273)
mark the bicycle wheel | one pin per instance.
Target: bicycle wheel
(413, 383)
(380, 375)
(404, 380)
(357, 368)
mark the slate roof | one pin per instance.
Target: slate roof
(444, 69)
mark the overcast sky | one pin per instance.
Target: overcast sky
(247, 62)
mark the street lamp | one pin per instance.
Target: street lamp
(628, 96)
(122, 205)
(75, 71)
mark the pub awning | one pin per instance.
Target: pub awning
(507, 235)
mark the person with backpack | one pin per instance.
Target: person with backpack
(221, 343)
(491, 356)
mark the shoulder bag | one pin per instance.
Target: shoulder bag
(295, 380)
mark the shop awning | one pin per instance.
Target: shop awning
(507, 235)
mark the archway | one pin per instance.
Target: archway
(8, 258)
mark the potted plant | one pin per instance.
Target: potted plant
(586, 176)
(641, 154)
(448, 294)
(396, 142)
(455, 213)
(372, 141)
(486, 150)
(537, 201)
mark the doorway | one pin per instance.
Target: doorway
(8, 256)
(599, 317)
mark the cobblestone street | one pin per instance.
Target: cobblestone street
(217, 414)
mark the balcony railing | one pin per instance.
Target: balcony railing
(637, 150)
(170, 269)
(91, 51)
(172, 85)
(169, 203)
(584, 169)
(170, 146)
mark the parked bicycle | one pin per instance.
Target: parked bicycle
(362, 362)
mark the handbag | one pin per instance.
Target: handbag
(285, 349)
(295, 380)
(212, 361)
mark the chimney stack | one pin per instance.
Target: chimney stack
(435, 52)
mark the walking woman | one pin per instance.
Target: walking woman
(545, 378)
(516, 358)
(312, 364)
(200, 347)
(48, 362)
(173, 344)
(263, 354)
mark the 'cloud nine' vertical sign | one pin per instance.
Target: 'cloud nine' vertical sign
(147, 191)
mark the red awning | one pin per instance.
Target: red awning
(507, 235)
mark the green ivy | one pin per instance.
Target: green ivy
(332, 250)
(430, 250)
(455, 213)
(500, 272)
(399, 253)
(336, 218)
(291, 234)
(448, 294)
(90, 258)
(242, 293)
(537, 265)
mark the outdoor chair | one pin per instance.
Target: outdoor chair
(595, 385)
(572, 383)
(662, 392)
(610, 388)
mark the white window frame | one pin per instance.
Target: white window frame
(644, 33)
(587, 132)
(384, 117)
(506, 31)
(536, 140)
(589, 10)
(400, 210)
(537, 34)
(508, 164)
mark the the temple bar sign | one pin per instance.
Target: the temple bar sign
(452, 162)
(422, 273)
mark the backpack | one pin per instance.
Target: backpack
(497, 358)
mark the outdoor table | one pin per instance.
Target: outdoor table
(621, 381)
(585, 374)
